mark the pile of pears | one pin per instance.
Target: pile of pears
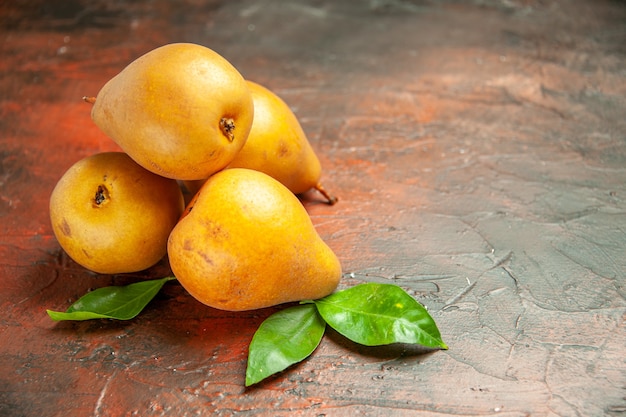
(185, 118)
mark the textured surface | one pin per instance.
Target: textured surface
(478, 149)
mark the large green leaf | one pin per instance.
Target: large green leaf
(117, 302)
(375, 314)
(284, 338)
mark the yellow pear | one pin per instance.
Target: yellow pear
(181, 111)
(112, 216)
(278, 146)
(246, 242)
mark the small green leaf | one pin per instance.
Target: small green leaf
(284, 338)
(375, 314)
(116, 302)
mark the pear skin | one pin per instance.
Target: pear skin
(181, 111)
(278, 146)
(246, 242)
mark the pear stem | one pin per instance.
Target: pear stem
(331, 199)
(90, 100)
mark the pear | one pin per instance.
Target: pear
(181, 111)
(246, 242)
(112, 216)
(278, 146)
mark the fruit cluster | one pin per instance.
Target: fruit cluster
(185, 117)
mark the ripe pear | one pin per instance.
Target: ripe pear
(246, 242)
(278, 146)
(181, 111)
(112, 216)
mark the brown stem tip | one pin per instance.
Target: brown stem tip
(90, 100)
(330, 199)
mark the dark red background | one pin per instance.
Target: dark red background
(478, 149)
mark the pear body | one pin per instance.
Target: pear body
(277, 144)
(246, 242)
(112, 216)
(181, 111)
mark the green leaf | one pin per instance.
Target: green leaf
(375, 314)
(116, 302)
(284, 338)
